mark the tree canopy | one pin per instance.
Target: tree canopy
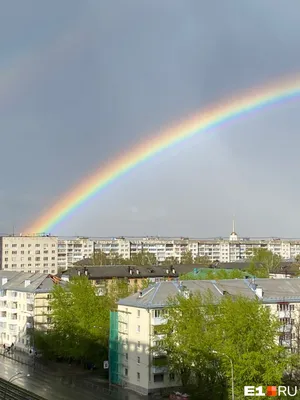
(263, 262)
(80, 323)
(205, 332)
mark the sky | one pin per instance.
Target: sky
(83, 81)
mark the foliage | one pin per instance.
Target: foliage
(141, 258)
(118, 289)
(170, 261)
(187, 258)
(263, 262)
(202, 260)
(205, 332)
(80, 323)
(214, 274)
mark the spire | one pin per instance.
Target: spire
(233, 235)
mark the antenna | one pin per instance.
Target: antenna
(233, 224)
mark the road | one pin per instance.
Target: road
(44, 386)
(51, 389)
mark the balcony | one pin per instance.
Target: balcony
(158, 353)
(285, 328)
(158, 321)
(159, 369)
(286, 343)
(284, 314)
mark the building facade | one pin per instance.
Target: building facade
(224, 250)
(29, 254)
(136, 326)
(24, 306)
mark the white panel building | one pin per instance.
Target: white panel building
(139, 318)
(29, 253)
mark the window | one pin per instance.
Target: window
(292, 307)
(138, 329)
(138, 313)
(138, 344)
(22, 245)
(171, 376)
(157, 313)
(126, 356)
(139, 360)
(282, 307)
(158, 377)
(126, 372)
(14, 245)
(37, 245)
(14, 252)
(138, 375)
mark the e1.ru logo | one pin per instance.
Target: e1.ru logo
(271, 391)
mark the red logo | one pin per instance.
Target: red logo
(271, 391)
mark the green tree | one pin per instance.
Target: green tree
(118, 289)
(143, 258)
(205, 331)
(202, 260)
(263, 262)
(100, 258)
(80, 322)
(170, 261)
(187, 258)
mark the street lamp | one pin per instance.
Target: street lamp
(13, 378)
(231, 363)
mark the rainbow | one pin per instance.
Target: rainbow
(253, 100)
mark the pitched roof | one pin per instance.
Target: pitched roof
(274, 290)
(35, 282)
(123, 271)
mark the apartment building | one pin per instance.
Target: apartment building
(224, 250)
(102, 277)
(70, 251)
(24, 306)
(135, 327)
(29, 253)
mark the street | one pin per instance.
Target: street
(51, 389)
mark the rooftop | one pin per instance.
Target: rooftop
(274, 290)
(35, 282)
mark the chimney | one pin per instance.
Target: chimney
(27, 282)
(4, 281)
(78, 273)
(140, 294)
(259, 292)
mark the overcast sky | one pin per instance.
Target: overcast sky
(82, 81)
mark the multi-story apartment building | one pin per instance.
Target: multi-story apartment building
(28, 254)
(24, 306)
(135, 327)
(220, 249)
(69, 251)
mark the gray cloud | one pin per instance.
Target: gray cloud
(84, 81)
